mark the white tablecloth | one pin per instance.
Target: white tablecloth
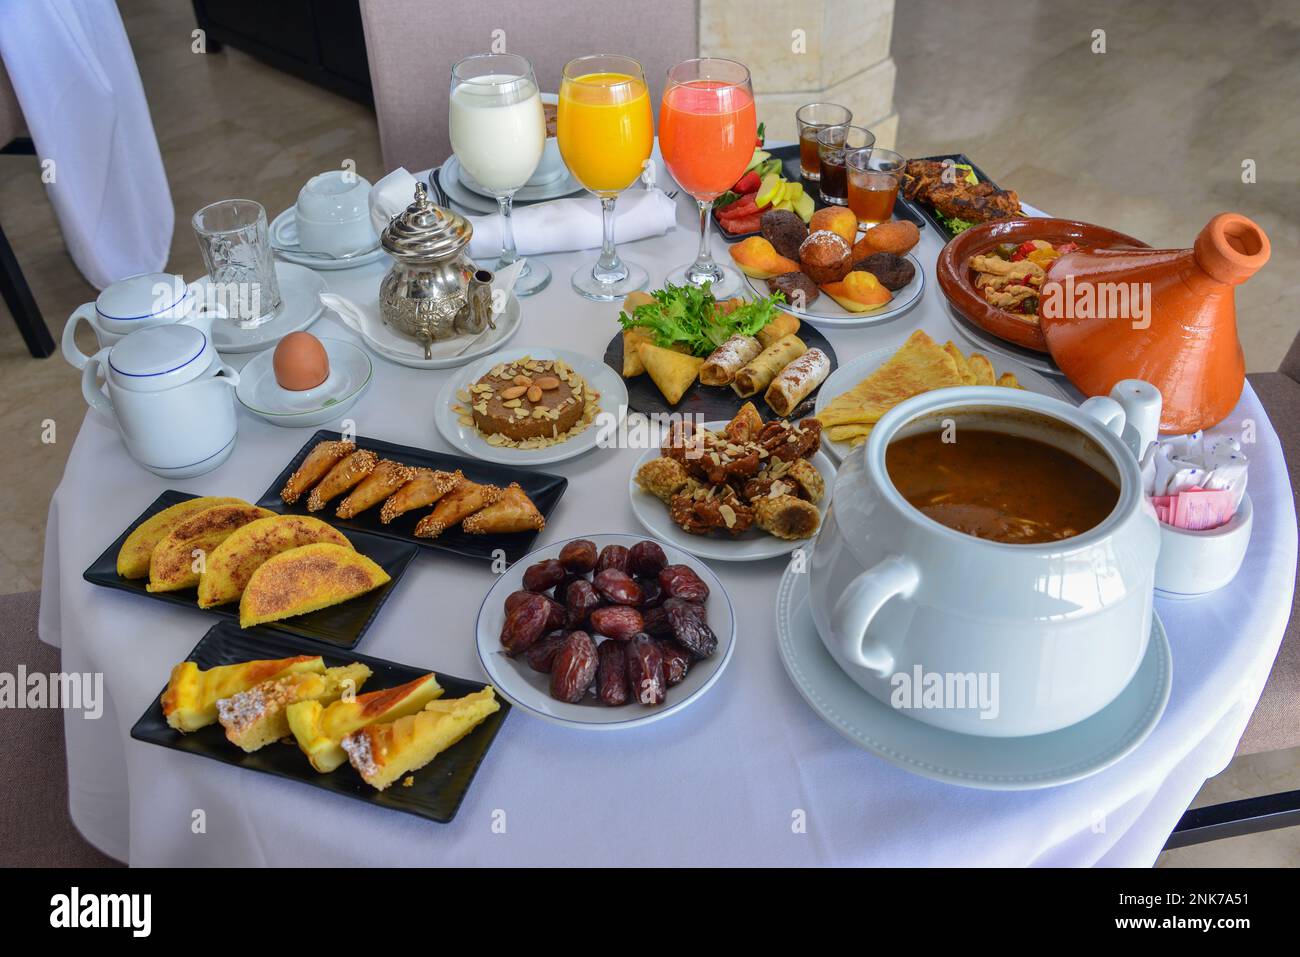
(721, 783)
(75, 77)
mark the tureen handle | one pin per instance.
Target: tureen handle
(860, 602)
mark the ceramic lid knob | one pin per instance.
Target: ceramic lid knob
(1231, 248)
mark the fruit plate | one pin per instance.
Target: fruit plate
(791, 172)
(608, 385)
(529, 689)
(826, 313)
(850, 374)
(341, 625)
(543, 488)
(438, 788)
(754, 545)
(708, 401)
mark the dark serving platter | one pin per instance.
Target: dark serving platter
(711, 401)
(439, 787)
(341, 625)
(543, 488)
(791, 170)
(926, 211)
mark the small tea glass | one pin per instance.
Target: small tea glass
(236, 249)
(874, 176)
(832, 143)
(811, 119)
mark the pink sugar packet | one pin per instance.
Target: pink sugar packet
(1196, 509)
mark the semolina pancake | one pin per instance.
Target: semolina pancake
(232, 563)
(305, 579)
(133, 557)
(172, 565)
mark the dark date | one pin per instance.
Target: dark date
(545, 574)
(617, 587)
(647, 559)
(619, 622)
(579, 556)
(611, 673)
(525, 624)
(690, 629)
(645, 670)
(616, 557)
(680, 581)
(542, 654)
(574, 667)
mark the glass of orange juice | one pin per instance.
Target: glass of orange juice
(605, 130)
(707, 133)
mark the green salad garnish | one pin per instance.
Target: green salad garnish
(686, 314)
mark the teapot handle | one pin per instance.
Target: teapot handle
(860, 603)
(83, 313)
(226, 375)
(90, 390)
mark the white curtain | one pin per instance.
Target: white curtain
(75, 77)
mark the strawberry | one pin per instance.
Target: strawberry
(748, 183)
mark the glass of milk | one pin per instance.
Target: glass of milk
(498, 132)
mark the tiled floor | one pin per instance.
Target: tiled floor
(1148, 137)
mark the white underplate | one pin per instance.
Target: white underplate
(300, 290)
(826, 313)
(391, 345)
(284, 240)
(461, 188)
(465, 438)
(525, 688)
(754, 545)
(260, 394)
(851, 373)
(1000, 764)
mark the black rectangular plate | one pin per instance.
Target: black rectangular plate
(789, 155)
(929, 213)
(341, 625)
(439, 787)
(543, 488)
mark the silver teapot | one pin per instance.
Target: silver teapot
(433, 290)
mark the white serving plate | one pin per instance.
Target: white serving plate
(466, 439)
(349, 376)
(1001, 764)
(754, 545)
(461, 188)
(826, 313)
(851, 373)
(529, 690)
(390, 345)
(300, 306)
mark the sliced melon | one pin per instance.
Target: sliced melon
(232, 563)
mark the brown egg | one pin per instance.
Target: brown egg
(300, 362)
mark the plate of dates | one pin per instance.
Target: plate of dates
(605, 632)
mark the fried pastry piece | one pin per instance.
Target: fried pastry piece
(304, 579)
(745, 425)
(177, 560)
(663, 477)
(787, 517)
(382, 753)
(456, 506)
(425, 487)
(699, 513)
(384, 479)
(514, 511)
(318, 461)
(256, 717)
(133, 557)
(804, 474)
(320, 729)
(343, 476)
(190, 701)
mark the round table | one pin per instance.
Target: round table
(749, 775)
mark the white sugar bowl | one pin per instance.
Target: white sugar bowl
(171, 397)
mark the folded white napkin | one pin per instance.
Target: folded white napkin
(364, 319)
(557, 226)
(1184, 462)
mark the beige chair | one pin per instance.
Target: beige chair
(412, 45)
(1275, 725)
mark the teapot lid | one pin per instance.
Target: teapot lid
(160, 357)
(425, 230)
(142, 296)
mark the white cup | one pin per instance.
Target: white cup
(332, 214)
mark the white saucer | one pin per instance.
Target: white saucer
(284, 240)
(390, 345)
(350, 373)
(999, 764)
(851, 373)
(1038, 361)
(754, 545)
(529, 690)
(826, 313)
(466, 439)
(461, 188)
(300, 290)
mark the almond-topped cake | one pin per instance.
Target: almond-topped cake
(529, 403)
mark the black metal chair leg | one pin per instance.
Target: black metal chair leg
(18, 297)
(1234, 818)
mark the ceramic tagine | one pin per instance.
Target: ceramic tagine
(1166, 316)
